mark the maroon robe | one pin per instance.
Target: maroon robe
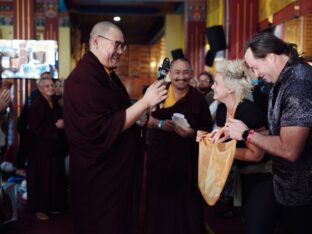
(173, 198)
(46, 179)
(103, 159)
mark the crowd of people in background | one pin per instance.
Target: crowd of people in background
(42, 148)
(5, 99)
(262, 101)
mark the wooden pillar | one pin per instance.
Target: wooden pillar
(24, 19)
(51, 19)
(243, 20)
(23, 29)
(195, 23)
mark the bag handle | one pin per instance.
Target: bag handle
(202, 135)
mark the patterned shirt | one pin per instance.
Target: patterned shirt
(290, 104)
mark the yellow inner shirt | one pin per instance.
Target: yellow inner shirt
(108, 71)
(170, 100)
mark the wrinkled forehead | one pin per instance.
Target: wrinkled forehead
(203, 77)
(180, 65)
(114, 34)
(218, 76)
(45, 82)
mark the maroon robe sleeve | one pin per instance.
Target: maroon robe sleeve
(204, 121)
(95, 117)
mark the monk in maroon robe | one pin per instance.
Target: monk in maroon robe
(173, 198)
(46, 179)
(104, 144)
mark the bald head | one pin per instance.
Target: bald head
(102, 28)
(107, 43)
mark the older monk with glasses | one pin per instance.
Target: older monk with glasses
(104, 144)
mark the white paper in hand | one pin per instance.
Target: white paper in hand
(180, 120)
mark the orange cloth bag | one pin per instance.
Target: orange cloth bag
(214, 164)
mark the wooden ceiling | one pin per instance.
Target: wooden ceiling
(142, 21)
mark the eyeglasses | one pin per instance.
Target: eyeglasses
(48, 86)
(204, 81)
(117, 44)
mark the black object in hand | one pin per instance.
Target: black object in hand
(164, 69)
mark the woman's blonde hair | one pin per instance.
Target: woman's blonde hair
(235, 76)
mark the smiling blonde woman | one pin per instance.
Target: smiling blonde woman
(231, 86)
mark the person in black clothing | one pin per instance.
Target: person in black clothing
(58, 96)
(46, 180)
(205, 81)
(289, 121)
(260, 94)
(231, 86)
(22, 128)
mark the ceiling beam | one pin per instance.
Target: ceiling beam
(96, 10)
(128, 2)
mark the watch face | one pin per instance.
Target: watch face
(245, 134)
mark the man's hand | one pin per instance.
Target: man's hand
(155, 94)
(168, 125)
(184, 132)
(59, 123)
(234, 129)
(4, 98)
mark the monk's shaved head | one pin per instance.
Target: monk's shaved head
(102, 28)
(107, 43)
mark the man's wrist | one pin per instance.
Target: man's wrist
(145, 103)
(250, 135)
(247, 135)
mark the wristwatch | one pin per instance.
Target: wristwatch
(245, 134)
